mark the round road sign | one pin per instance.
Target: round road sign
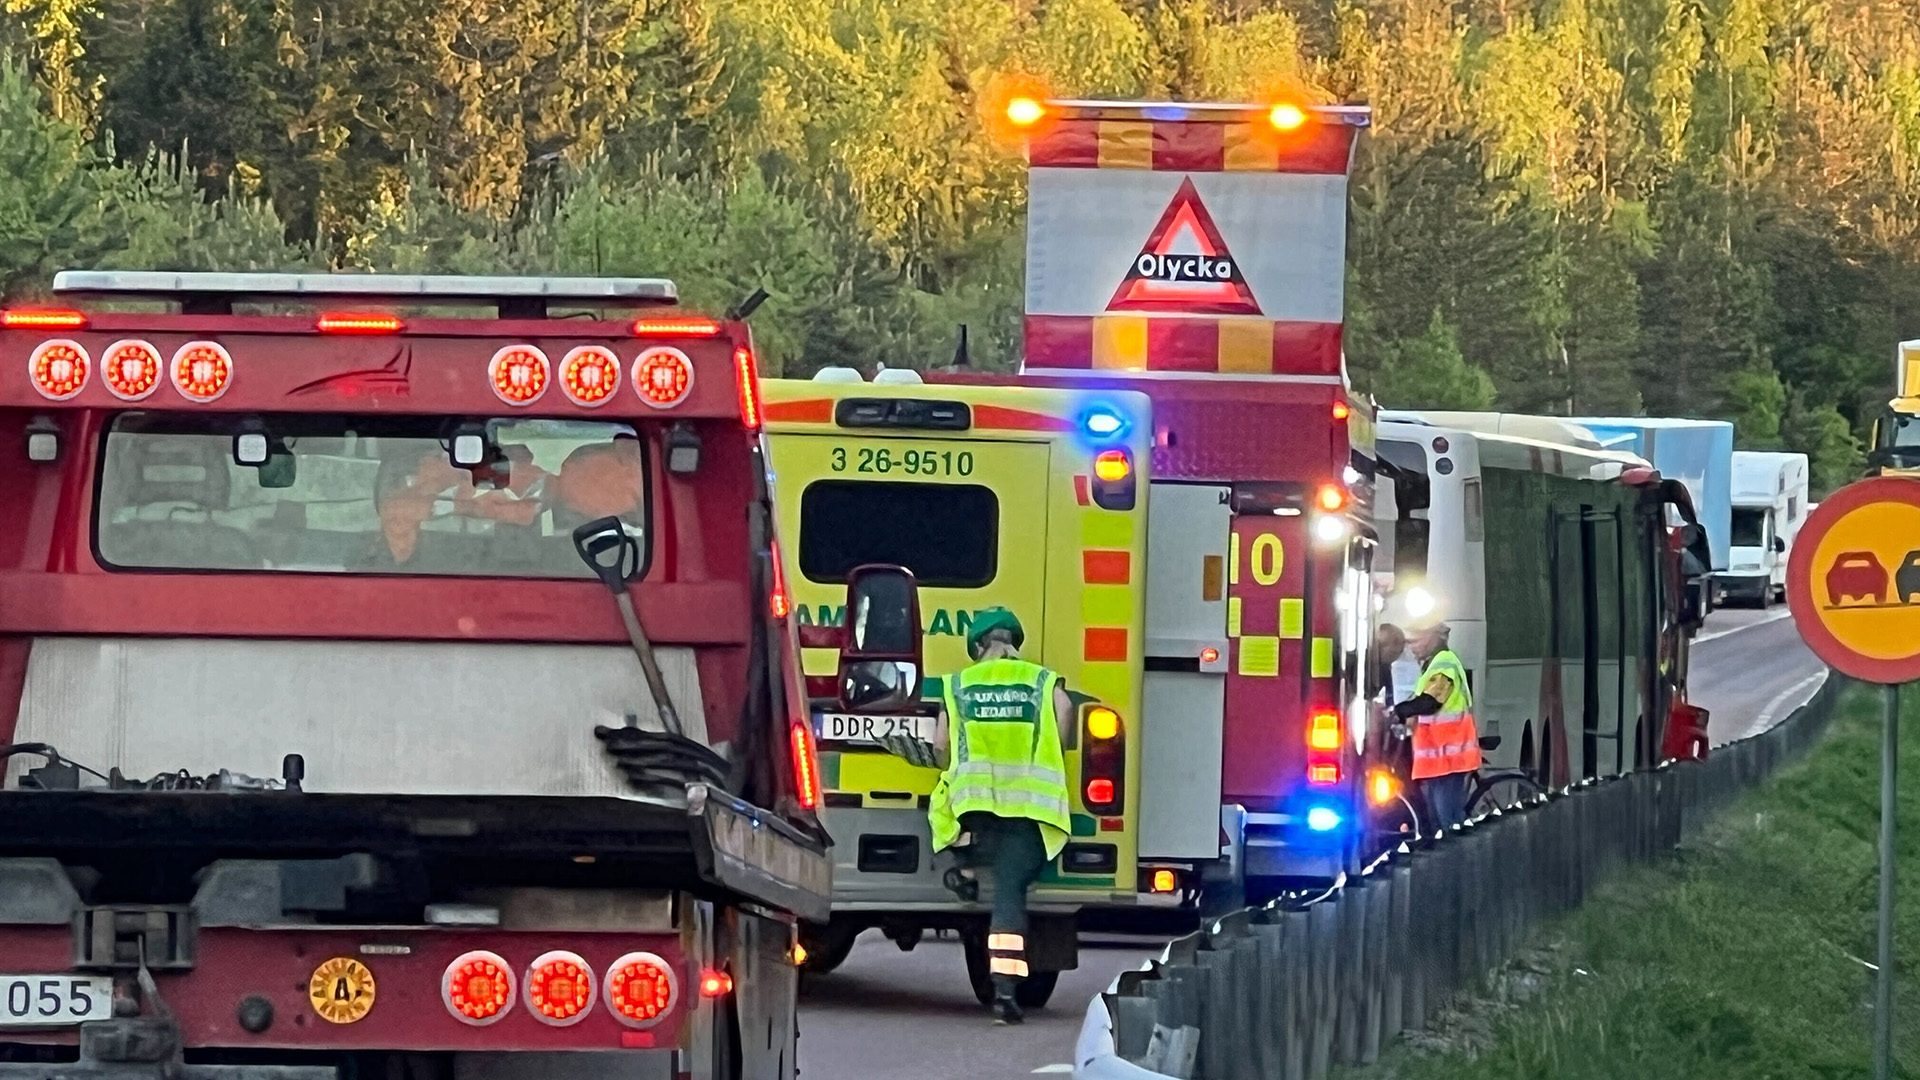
(1853, 581)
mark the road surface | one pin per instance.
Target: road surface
(1749, 670)
(888, 1015)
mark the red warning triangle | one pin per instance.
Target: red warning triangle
(1184, 267)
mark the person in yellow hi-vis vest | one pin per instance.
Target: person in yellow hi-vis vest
(1446, 744)
(1004, 781)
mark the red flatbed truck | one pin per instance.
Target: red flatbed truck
(325, 754)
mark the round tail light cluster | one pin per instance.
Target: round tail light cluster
(200, 370)
(590, 375)
(58, 369)
(640, 989)
(131, 369)
(663, 375)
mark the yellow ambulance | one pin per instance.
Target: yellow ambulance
(1030, 499)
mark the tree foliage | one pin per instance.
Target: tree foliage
(1691, 207)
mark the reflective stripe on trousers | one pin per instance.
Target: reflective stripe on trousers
(1007, 955)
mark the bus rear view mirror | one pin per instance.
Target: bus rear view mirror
(879, 640)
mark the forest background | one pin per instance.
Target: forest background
(1677, 207)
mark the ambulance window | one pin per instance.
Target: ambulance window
(947, 534)
(364, 495)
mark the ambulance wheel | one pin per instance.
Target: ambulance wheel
(1034, 992)
(827, 950)
(979, 976)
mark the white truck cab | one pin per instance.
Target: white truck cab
(1769, 503)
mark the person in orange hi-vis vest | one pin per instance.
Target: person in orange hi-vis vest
(403, 509)
(1446, 745)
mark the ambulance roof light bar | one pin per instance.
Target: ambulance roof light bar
(1217, 111)
(516, 297)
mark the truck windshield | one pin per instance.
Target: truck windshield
(341, 494)
(1749, 527)
(1902, 432)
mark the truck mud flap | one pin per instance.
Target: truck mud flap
(759, 855)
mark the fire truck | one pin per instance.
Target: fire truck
(1196, 254)
(396, 679)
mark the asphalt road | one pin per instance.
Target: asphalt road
(888, 1015)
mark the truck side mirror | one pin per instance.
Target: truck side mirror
(1780, 545)
(879, 640)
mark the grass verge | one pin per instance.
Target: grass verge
(1745, 956)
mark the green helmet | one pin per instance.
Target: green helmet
(995, 618)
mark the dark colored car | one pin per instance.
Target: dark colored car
(1856, 575)
(1906, 582)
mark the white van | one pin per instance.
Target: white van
(1769, 504)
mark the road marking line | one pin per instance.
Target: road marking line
(1769, 715)
(1775, 617)
(1060, 1068)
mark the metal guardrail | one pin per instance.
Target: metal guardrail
(1286, 991)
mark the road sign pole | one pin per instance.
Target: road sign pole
(1883, 980)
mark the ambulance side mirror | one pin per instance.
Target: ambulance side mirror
(879, 641)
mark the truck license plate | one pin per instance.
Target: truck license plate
(54, 1000)
(843, 728)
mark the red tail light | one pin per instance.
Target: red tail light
(1324, 731)
(519, 374)
(1340, 410)
(202, 370)
(806, 766)
(58, 369)
(1323, 774)
(131, 369)
(1099, 790)
(477, 988)
(715, 984)
(663, 376)
(676, 328)
(747, 376)
(349, 322)
(559, 988)
(780, 602)
(589, 375)
(640, 989)
(1103, 759)
(1112, 466)
(1331, 497)
(43, 319)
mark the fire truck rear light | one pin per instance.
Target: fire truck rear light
(589, 375)
(1341, 411)
(780, 604)
(1112, 466)
(1323, 774)
(1025, 112)
(663, 376)
(43, 319)
(519, 374)
(131, 369)
(1324, 732)
(58, 369)
(477, 988)
(1331, 497)
(350, 322)
(559, 988)
(1286, 116)
(640, 989)
(202, 370)
(747, 377)
(715, 984)
(1164, 881)
(806, 766)
(676, 328)
(1100, 791)
(1381, 787)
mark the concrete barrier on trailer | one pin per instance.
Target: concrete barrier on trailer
(1290, 990)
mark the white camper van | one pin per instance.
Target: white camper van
(1769, 503)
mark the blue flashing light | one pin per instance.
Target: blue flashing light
(1103, 422)
(1164, 112)
(1323, 819)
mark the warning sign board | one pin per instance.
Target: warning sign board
(1853, 580)
(1185, 267)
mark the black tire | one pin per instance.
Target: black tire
(1036, 989)
(827, 952)
(979, 972)
(1501, 790)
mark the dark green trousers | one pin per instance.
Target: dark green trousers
(1013, 850)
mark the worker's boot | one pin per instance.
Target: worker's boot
(1005, 1009)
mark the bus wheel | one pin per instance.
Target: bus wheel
(1038, 987)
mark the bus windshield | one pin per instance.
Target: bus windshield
(340, 494)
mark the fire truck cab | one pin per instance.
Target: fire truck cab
(394, 681)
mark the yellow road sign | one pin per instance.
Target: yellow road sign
(341, 990)
(1853, 581)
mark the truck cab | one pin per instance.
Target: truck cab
(1769, 503)
(395, 679)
